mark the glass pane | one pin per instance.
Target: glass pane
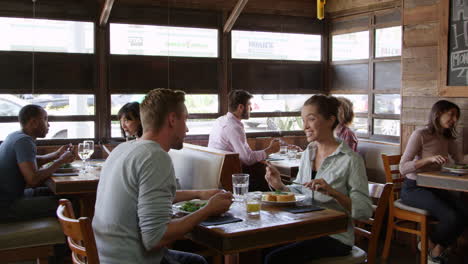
(163, 41)
(54, 104)
(388, 42)
(57, 130)
(360, 101)
(196, 103)
(360, 125)
(46, 35)
(269, 124)
(387, 104)
(387, 127)
(278, 102)
(200, 126)
(351, 46)
(275, 46)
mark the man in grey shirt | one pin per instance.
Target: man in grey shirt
(20, 166)
(133, 216)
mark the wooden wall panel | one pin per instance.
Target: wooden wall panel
(277, 77)
(408, 4)
(421, 14)
(419, 52)
(421, 35)
(420, 69)
(340, 5)
(406, 131)
(419, 88)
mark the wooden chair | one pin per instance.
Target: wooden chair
(400, 215)
(382, 192)
(79, 234)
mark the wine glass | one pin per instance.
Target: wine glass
(83, 154)
(89, 145)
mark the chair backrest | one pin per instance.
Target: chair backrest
(80, 236)
(392, 172)
(382, 192)
(199, 167)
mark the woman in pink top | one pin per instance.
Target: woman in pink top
(427, 150)
(345, 119)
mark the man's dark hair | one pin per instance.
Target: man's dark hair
(237, 97)
(29, 112)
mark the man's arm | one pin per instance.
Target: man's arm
(186, 195)
(177, 228)
(34, 176)
(43, 159)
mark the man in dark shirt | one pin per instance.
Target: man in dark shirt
(20, 167)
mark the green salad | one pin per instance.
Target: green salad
(192, 206)
(460, 166)
(66, 166)
(280, 192)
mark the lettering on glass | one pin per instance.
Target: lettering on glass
(458, 43)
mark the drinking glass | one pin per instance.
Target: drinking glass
(253, 203)
(83, 154)
(283, 150)
(240, 185)
(89, 145)
(292, 153)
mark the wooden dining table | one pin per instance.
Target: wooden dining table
(450, 182)
(443, 180)
(288, 168)
(83, 186)
(272, 227)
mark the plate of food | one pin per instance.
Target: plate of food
(281, 197)
(188, 207)
(67, 168)
(456, 168)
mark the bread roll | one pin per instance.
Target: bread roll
(289, 197)
(269, 197)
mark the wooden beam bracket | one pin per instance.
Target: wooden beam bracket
(234, 15)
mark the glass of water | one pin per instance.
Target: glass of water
(240, 185)
(83, 154)
(89, 144)
(292, 153)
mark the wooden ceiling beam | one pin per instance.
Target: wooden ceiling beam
(105, 13)
(234, 15)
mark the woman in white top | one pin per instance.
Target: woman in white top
(337, 175)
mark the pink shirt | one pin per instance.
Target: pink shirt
(423, 144)
(348, 136)
(228, 134)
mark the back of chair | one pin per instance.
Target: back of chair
(393, 175)
(383, 193)
(79, 234)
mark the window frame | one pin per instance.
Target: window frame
(371, 92)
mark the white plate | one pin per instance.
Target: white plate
(450, 169)
(299, 198)
(177, 207)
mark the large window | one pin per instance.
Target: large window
(70, 115)
(275, 46)
(163, 41)
(366, 69)
(22, 34)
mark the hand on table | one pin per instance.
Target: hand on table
(207, 194)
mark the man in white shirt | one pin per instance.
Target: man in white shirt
(133, 217)
(228, 134)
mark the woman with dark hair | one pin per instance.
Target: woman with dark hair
(129, 117)
(345, 119)
(427, 150)
(334, 172)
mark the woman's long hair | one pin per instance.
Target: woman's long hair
(130, 111)
(438, 109)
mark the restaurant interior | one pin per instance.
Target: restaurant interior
(82, 60)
